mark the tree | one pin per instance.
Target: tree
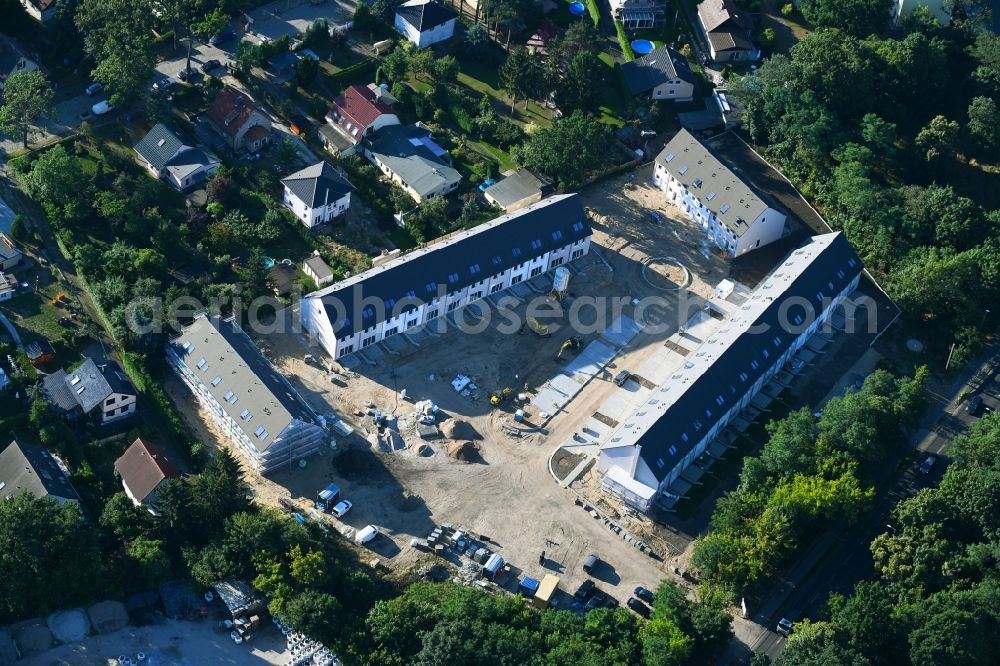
(204, 26)
(520, 75)
(56, 177)
(857, 17)
(124, 520)
(879, 134)
(117, 35)
(568, 150)
(984, 123)
(306, 70)
(150, 559)
(577, 87)
(314, 613)
(664, 644)
(938, 139)
(396, 63)
(27, 97)
(476, 39)
(248, 56)
(220, 491)
(158, 106)
(18, 228)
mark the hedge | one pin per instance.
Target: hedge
(595, 12)
(361, 72)
(623, 42)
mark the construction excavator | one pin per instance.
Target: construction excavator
(538, 328)
(501, 396)
(571, 344)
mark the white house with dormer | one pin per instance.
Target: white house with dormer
(317, 195)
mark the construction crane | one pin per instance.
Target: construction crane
(571, 344)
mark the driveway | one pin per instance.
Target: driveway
(202, 53)
(292, 17)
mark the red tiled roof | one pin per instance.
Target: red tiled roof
(231, 109)
(357, 105)
(143, 466)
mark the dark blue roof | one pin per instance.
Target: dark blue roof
(283, 61)
(825, 277)
(656, 68)
(526, 234)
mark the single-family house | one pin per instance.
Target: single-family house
(937, 9)
(410, 158)
(251, 403)
(164, 156)
(434, 280)
(425, 22)
(636, 14)
(238, 119)
(733, 216)
(543, 35)
(40, 10)
(282, 64)
(35, 471)
(356, 114)
(8, 286)
(317, 194)
(727, 31)
(99, 391)
(10, 255)
(648, 452)
(143, 468)
(663, 74)
(40, 351)
(317, 269)
(516, 190)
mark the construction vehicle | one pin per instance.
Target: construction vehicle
(59, 298)
(501, 396)
(538, 328)
(571, 344)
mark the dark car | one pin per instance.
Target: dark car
(223, 37)
(209, 65)
(596, 601)
(622, 377)
(183, 75)
(975, 402)
(644, 594)
(610, 602)
(639, 607)
(584, 590)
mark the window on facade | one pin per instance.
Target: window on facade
(368, 341)
(452, 306)
(577, 254)
(432, 313)
(347, 350)
(555, 262)
(514, 280)
(536, 270)
(497, 287)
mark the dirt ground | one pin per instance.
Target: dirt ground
(510, 495)
(173, 643)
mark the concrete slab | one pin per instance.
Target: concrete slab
(557, 392)
(621, 331)
(660, 366)
(625, 400)
(591, 361)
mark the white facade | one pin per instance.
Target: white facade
(117, 406)
(40, 10)
(624, 472)
(423, 39)
(322, 214)
(935, 7)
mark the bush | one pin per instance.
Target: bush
(788, 10)
(623, 42)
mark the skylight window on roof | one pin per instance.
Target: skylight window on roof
(840, 274)
(431, 287)
(497, 260)
(683, 170)
(345, 323)
(516, 251)
(672, 450)
(660, 463)
(186, 345)
(819, 295)
(453, 278)
(411, 294)
(766, 353)
(202, 364)
(228, 396)
(259, 430)
(798, 320)
(556, 235)
(743, 376)
(578, 226)
(777, 341)
(389, 303)
(474, 268)
(216, 380)
(75, 380)
(719, 400)
(829, 285)
(697, 182)
(754, 364)
(711, 195)
(684, 436)
(669, 158)
(725, 208)
(535, 244)
(851, 262)
(245, 414)
(698, 426)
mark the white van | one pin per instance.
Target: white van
(101, 108)
(367, 534)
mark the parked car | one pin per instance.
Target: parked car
(595, 601)
(785, 626)
(975, 402)
(622, 377)
(591, 563)
(342, 507)
(486, 184)
(223, 36)
(94, 88)
(367, 534)
(183, 75)
(101, 108)
(584, 591)
(164, 84)
(644, 594)
(639, 607)
(209, 65)
(927, 464)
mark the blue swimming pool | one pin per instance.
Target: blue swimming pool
(577, 8)
(642, 46)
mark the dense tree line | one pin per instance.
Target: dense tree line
(431, 624)
(886, 134)
(810, 472)
(936, 598)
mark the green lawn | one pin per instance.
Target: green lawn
(484, 78)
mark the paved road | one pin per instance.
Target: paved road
(841, 560)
